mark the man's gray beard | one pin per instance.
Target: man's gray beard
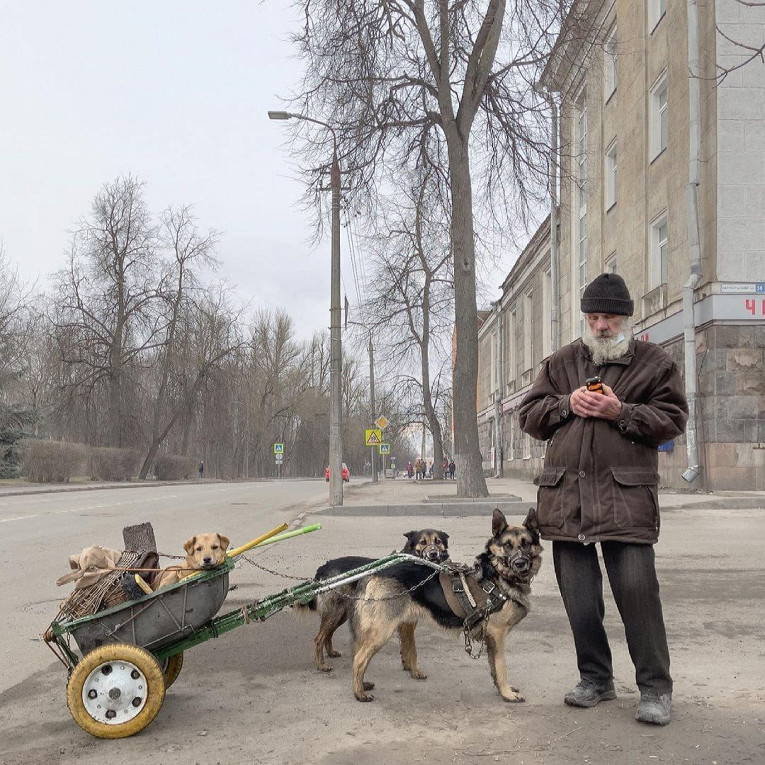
(604, 349)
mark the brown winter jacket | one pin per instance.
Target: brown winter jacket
(600, 479)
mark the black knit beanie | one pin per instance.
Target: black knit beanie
(607, 293)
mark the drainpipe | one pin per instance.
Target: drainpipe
(499, 468)
(694, 245)
(555, 296)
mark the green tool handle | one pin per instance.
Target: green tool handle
(289, 534)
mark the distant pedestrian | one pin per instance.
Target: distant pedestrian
(452, 469)
(445, 468)
(409, 469)
(201, 469)
(430, 469)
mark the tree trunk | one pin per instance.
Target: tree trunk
(467, 456)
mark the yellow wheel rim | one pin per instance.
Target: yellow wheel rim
(116, 690)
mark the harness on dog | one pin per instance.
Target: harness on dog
(474, 602)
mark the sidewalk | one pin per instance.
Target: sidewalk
(400, 494)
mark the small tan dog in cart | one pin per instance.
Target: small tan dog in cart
(203, 552)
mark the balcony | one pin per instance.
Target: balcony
(655, 300)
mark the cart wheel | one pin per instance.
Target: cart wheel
(171, 668)
(115, 691)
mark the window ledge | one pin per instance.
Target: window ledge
(659, 154)
(656, 25)
(608, 209)
(610, 96)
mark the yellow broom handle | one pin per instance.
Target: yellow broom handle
(249, 545)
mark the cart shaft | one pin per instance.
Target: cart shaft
(266, 607)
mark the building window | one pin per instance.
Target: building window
(657, 9)
(520, 322)
(609, 64)
(659, 117)
(494, 345)
(511, 362)
(659, 250)
(611, 171)
(528, 311)
(611, 264)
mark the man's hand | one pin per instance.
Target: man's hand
(585, 403)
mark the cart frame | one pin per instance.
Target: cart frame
(133, 652)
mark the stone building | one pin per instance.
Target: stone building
(620, 74)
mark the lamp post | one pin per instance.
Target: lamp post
(335, 359)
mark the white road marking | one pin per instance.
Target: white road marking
(17, 518)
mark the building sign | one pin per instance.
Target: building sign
(711, 308)
(729, 288)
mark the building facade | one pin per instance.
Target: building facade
(632, 122)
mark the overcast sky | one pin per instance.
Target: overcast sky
(176, 93)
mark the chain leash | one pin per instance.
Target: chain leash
(337, 592)
(481, 641)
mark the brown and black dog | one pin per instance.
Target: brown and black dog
(396, 598)
(334, 606)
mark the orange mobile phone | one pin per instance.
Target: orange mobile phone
(594, 384)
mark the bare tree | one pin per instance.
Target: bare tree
(412, 297)
(107, 295)
(14, 319)
(209, 337)
(411, 81)
(189, 250)
(748, 48)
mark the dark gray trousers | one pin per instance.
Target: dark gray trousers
(632, 574)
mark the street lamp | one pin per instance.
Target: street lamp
(335, 359)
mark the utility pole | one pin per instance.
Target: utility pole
(335, 351)
(372, 402)
(335, 359)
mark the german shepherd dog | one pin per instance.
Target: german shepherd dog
(334, 606)
(511, 559)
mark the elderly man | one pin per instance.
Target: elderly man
(600, 484)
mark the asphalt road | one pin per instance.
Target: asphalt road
(38, 532)
(253, 696)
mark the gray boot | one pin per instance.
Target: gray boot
(654, 708)
(586, 694)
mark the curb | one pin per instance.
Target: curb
(18, 492)
(455, 509)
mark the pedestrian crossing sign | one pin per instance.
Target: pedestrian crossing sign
(278, 448)
(384, 448)
(373, 437)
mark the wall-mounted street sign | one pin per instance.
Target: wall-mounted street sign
(278, 448)
(382, 422)
(384, 448)
(373, 437)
